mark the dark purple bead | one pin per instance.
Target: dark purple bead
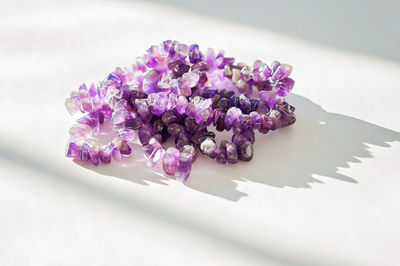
(127, 93)
(190, 124)
(134, 123)
(249, 135)
(244, 104)
(263, 107)
(254, 104)
(220, 123)
(201, 66)
(178, 68)
(158, 126)
(169, 117)
(222, 156)
(223, 104)
(194, 54)
(145, 134)
(215, 101)
(201, 136)
(233, 101)
(124, 148)
(175, 128)
(245, 151)
(275, 115)
(228, 94)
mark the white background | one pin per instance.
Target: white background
(322, 192)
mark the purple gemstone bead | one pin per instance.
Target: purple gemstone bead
(155, 157)
(284, 86)
(73, 150)
(85, 156)
(195, 54)
(149, 86)
(231, 153)
(94, 154)
(222, 156)
(145, 134)
(115, 152)
(160, 103)
(170, 160)
(210, 148)
(189, 149)
(184, 166)
(232, 118)
(181, 104)
(245, 151)
(283, 71)
(105, 155)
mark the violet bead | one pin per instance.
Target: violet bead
(222, 156)
(145, 134)
(231, 153)
(73, 150)
(134, 123)
(284, 86)
(150, 147)
(195, 54)
(209, 147)
(181, 103)
(155, 157)
(94, 154)
(124, 148)
(160, 103)
(169, 117)
(244, 104)
(115, 152)
(175, 128)
(201, 66)
(85, 156)
(232, 118)
(283, 71)
(170, 160)
(178, 68)
(245, 151)
(190, 124)
(105, 155)
(184, 166)
(189, 149)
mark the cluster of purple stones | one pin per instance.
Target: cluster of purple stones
(177, 90)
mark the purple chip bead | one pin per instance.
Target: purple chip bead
(94, 154)
(170, 160)
(184, 166)
(85, 156)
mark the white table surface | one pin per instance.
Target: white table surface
(322, 192)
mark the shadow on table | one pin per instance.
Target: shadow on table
(319, 143)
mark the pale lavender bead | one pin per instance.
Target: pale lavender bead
(191, 109)
(184, 88)
(160, 103)
(210, 58)
(126, 134)
(181, 103)
(155, 157)
(174, 86)
(120, 117)
(184, 166)
(172, 101)
(115, 152)
(87, 105)
(120, 105)
(182, 50)
(170, 160)
(232, 117)
(151, 98)
(85, 152)
(282, 72)
(274, 66)
(149, 148)
(72, 104)
(192, 78)
(80, 131)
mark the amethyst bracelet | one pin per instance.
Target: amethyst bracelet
(175, 90)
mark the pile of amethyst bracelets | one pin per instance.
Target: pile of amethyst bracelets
(175, 90)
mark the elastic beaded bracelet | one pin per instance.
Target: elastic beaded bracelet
(176, 90)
